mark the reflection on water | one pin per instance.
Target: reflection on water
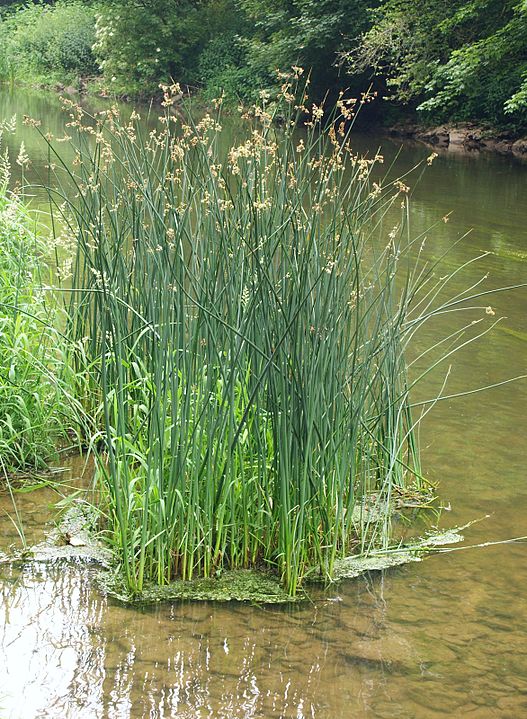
(430, 640)
(443, 638)
(47, 650)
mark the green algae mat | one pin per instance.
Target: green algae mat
(73, 539)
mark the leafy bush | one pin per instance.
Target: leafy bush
(139, 44)
(466, 63)
(54, 41)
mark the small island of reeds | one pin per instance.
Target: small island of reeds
(236, 330)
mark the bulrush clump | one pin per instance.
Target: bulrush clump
(243, 320)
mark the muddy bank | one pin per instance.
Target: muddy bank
(463, 137)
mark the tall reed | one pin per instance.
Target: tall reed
(245, 316)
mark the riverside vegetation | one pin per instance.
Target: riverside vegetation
(234, 337)
(31, 420)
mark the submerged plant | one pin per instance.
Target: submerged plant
(244, 317)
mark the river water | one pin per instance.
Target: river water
(446, 637)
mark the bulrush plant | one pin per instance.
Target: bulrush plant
(246, 332)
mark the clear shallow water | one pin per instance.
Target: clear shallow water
(443, 638)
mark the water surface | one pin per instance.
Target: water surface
(443, 638)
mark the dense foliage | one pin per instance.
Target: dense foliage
(453, 60)
(308, 33)
(48, 43)
(445, 59)
(139, 44)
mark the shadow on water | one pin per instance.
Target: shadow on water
(443, 638)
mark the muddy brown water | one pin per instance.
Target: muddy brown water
(446, 637)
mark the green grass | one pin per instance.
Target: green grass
(32, 421)
(241, 319)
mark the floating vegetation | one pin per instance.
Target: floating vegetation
(351, 567)
(510, 254)
(74, 539)
(242, 585)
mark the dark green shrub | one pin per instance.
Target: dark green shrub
(50, 42)
(224, 69)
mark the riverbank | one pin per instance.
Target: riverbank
(463, 137)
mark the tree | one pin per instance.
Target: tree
(309, 33)
(141, 43)
(451, 59)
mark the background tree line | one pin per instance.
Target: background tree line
(443, 59)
